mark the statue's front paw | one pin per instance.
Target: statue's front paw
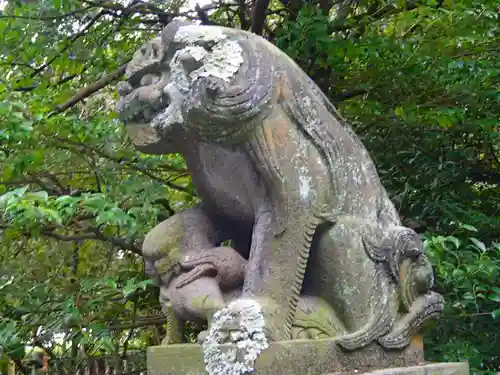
(276, 325)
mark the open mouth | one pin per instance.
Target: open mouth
(142, 100)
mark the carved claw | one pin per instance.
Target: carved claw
(315, 318)
(377, 326)
(222, 262)
(201, 270)
(193, 259)
(417, 277)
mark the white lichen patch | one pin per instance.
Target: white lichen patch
(191, 34)
(305, 186)
(178, 70)
(223, 62)
(240, 327)
(206, 52)
(221, 59)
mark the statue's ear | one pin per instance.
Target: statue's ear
(168, 34)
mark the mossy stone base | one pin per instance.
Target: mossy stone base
(303, 357)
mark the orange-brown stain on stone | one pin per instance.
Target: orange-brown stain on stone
(268, 137)
(275, 128)
(283, 91)
(276, 125)
(402, 273)
(417, 342)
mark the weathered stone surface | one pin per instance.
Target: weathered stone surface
(305, 357)
(318, 249)
(428, 369)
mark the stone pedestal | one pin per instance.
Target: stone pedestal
(307, 357)
(428, 369)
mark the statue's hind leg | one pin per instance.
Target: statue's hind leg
(379, 281)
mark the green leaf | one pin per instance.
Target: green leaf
(15, 193)
(480, 245)
(468, 227)
(15, 350)
(145, 283)
(494, 297)
(111, 283)
(454, 240)
(468, 296)
(399, 111)
(108, 344)
(40, 195)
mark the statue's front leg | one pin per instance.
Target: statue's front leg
(262, 239)
(276, 269)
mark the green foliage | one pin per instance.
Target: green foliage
(468, 272)
(417, 79)
(75, 198)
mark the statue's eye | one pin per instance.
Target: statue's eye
(150, 79)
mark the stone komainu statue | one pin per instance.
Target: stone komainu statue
(315, 241)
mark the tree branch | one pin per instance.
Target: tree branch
(130, 333)
(141, 8)
(326, 6)
(86, 91)
(203, 16)
(20, 366)
(132, 166)
(349, 94)
(140, 322)
(259, 16)
(92, 234)
(242, 14)
(116, 241)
